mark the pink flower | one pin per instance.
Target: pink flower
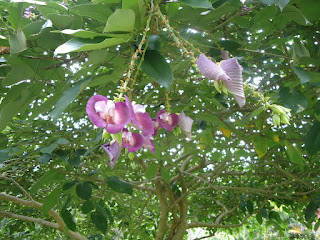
(113, 150)
(167, 121)
(105, 113)
(185, 124)
(148, 143)
(140, 118)
(131, 141)
(229, 71)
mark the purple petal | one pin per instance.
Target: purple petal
(113, 150)
(132, 141)
(167, 121)
(92, 113)
(121, 114)
(114, 128)
(185, 124)
(131, 112)
(224, 55)
(146, 123)
(211, 70)
(156, 126)
(235, 86)
(148, 143)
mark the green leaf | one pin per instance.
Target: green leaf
(122, 20)
(151, 170)
(260, 144)
(313, 139)
(51, 200)
(264, 212)
(311, 209)
(139, 8)
(18, 42)
(67, 97)
(154, 42)
(295, 15)
(280, 3)
(17, 100)
(87, 207)
(45, 157)
(198, 3)
(99, 12)
(293, 99)
(302, 75)
(157, 68)
(250, 206)
(259, 218)
(229, 45)
(80, 33)
(50, 177)
(61, 21)
(100, 221)
(74, 161)
(165, 173)
(3, 141)
(82, 44)
(118, 185)
(48, 149)
(300, 50)
(84, 190)
(295, 155)
(68, 219)
(69, 185)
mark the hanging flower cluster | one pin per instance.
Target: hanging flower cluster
(122, 116)
(229, 71)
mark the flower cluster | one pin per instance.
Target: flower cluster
(122, 117)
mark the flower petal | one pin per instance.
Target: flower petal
(211, 70)
(167, 121)
(121, 114)
(235, 86)
(132, 141)
(114, 128)
(148, 143)
(185, 124)
(92, 113)
(113, 150)
(131, 112)
(146, 123)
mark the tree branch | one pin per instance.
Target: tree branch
(34, 204)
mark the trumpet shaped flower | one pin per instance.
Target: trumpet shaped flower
(105, 113)
(229, 71)
(131, 141)
(113, 150)
(166, 120)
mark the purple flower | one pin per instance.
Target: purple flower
(131, 141)
(156, 126)
(140, 118)
(105, 113)
(167, 121)
(185, 124)
(229, 71)
(113, 150)
(148, 143)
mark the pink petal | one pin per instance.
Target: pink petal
(132, 141)
(121, 114)
(92, 113)
(114, 128)
(235, 86)
(211, 70)
(113, 150)
(167, 121)
(131, 112)
(146, 123)
(185, 124)
(148, 143)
